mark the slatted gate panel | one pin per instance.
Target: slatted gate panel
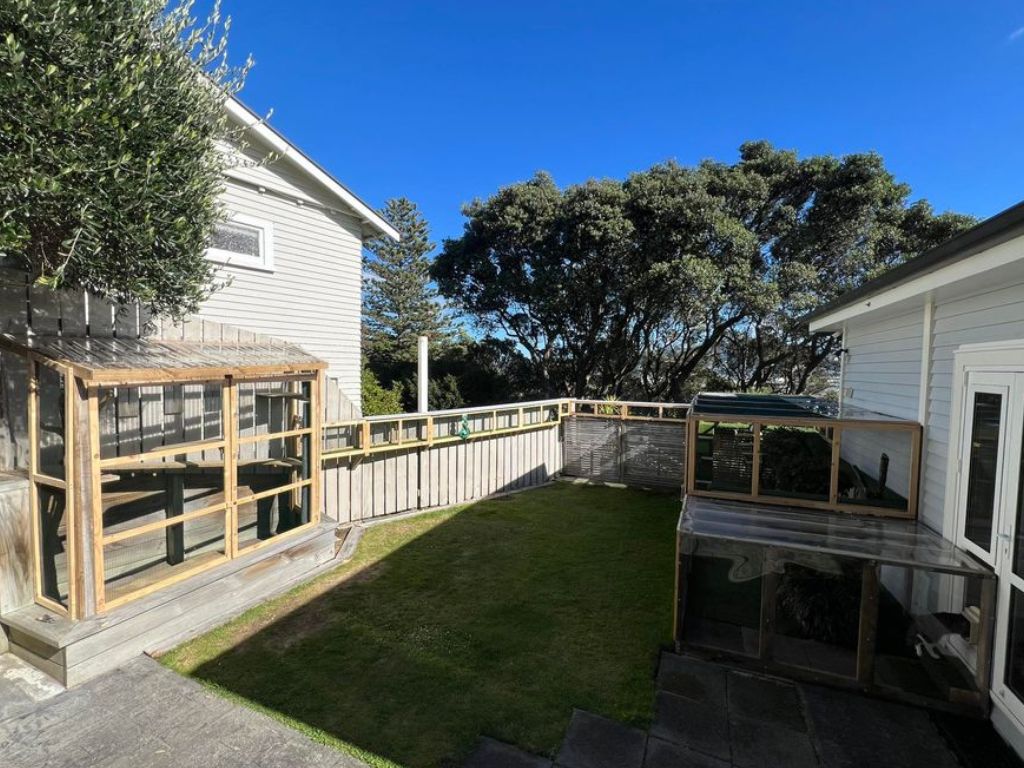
(640, 453)
(592, 448)
(652, 454)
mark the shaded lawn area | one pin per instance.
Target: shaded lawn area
(495, 618)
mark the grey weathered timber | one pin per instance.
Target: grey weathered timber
(76, 651)
(630, 451)
(16, 581)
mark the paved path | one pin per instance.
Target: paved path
(708, 716)
(141, 716)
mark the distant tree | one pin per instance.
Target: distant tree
(399, 302)
(110, 170)
(632, 288)
(379, 400)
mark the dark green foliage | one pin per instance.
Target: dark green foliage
(795, 461)
(109, 166)
(379, 400)
(399, 302)
(646, 287)
(820, 606)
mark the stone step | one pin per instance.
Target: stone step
(73, 652)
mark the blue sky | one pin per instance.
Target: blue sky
(446, 101)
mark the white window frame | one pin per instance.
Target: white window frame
(265, 261)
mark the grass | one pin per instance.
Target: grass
(496, 618)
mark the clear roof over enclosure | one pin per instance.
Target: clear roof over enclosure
(113, 359)
(771, 407)
(895, 542)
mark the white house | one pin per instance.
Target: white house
(940, 340)
(292, 250)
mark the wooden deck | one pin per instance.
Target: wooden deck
(76, 651)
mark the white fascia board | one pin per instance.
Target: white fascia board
(997, 256)
(294, 155)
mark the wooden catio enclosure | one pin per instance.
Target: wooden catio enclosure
(122, 505)
(803, 452)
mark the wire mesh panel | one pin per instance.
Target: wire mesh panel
(139, 419)
(151, 557)
(275, 461)
(54, 545)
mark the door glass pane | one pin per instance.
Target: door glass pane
(1018, 549)
(982, 465)
(1014, 675)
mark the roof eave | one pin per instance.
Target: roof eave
(262, 129)
(980, 237)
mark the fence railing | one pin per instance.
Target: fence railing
(382, 465)
(394, 432)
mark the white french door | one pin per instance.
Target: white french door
(991, 513)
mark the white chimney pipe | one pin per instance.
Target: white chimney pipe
(422, 377)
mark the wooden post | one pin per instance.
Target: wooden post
(691, 453)
(92, 497)
(316, 446)
(868, 625)
(915, 471)
(364, 438)
(229, 420)
(833, 483)
(755, 466)
(769, 593)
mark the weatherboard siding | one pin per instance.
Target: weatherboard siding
(312, 296)
(884, 363)
(996, 314)
(882, 373)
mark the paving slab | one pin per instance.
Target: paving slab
(146, 715)
(766, 700)
(23, 687)
(691, 724)
(490, 753)
(597, 742)
(851, 731)
(757, 744)
(692, 678)
(665, 754)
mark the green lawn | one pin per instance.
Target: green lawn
(495, 618)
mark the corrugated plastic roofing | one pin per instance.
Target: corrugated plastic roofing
(104, 357)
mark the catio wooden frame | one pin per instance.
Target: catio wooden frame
(86, 469)
(836, 427)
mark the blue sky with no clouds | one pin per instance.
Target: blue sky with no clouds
(446, 101)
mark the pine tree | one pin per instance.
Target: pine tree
(399, 302)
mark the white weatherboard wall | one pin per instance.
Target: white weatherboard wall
(312, 296)
(884, 367)
(882, 373)
(996, 314)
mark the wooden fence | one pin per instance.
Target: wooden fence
(391, 464)
(372, 467)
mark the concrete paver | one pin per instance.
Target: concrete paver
(146, 715)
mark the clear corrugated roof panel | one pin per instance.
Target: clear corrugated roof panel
(894, 542)
(101, 356)
(740, 404)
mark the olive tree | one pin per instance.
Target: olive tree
(111, 122)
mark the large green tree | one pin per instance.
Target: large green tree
(109, 163)
(399, 302)
(634, 288)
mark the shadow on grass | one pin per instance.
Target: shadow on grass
(497, 618)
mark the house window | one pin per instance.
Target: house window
(243, 241)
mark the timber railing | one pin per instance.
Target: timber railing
(382, 465)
